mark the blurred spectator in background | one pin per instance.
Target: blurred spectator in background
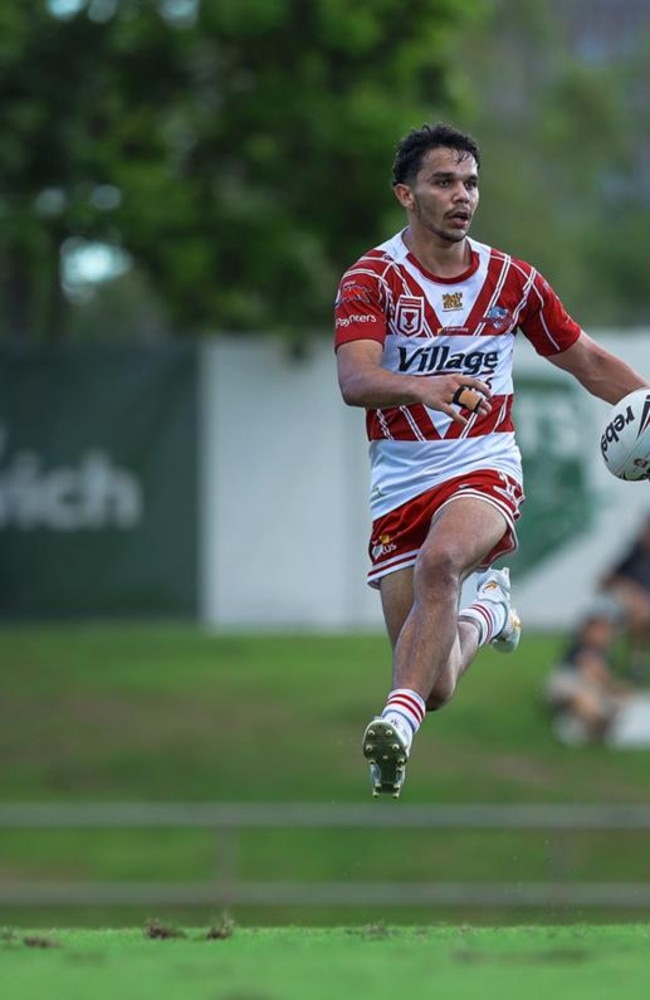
(627, 584)
(583, 692)
(588, 699)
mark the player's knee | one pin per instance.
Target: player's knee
(437, 565)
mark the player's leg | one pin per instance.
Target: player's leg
(497, 622)
(429, 653)
(431, 648)
(397, 601)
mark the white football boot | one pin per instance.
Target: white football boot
(386, 750)
(493, 587)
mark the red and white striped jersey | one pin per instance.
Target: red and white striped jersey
(432, 326)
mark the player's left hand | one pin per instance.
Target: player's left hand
(469, 399)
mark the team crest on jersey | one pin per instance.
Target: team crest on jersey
(409, 315)
(452, 301)
(498, 318)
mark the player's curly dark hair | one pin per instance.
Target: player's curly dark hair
(413, 147)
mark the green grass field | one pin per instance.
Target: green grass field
(375, 962)
(103, 713)
(155, 713)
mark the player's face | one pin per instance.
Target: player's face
(444, 195)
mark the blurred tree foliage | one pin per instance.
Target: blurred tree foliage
(564, 124)
(238, 153)
(238, 150)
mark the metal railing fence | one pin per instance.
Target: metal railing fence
(229, 820)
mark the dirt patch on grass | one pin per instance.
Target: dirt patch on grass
(37, 941)
(155, 930)
(221, 931)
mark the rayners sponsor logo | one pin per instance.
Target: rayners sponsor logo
(344, 321)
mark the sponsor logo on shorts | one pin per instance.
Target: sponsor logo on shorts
(383, 547)
(510, 490)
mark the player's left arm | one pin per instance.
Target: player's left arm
(601, 373)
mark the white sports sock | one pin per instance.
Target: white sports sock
(489, 617)
(405, 709)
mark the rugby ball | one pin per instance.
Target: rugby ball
(625, 441)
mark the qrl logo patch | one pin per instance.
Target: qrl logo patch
(409, 316)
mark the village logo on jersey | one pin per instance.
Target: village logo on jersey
(452, 301)
(409, 315)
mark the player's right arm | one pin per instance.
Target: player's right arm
(363, 382)
(361, 312)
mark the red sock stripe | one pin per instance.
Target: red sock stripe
(407, 702)
(487, 617)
